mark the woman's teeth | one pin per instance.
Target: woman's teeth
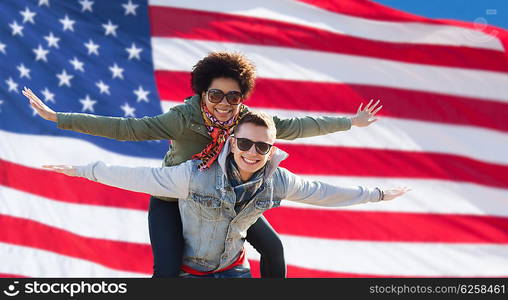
(222, 111)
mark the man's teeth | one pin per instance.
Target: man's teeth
(250, 161)
(222, 110)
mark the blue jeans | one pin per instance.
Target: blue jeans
(235, 272)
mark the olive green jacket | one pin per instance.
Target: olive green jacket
(184, 126)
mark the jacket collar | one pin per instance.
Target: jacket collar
(272, 164)
(195, 102)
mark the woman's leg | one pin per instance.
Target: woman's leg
(165, 227)
(267, 242)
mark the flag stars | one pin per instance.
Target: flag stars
(88, 104)
(1, 102)
(92, 48)
(110, 28)
(13, 86)
(77, 64)
(44, 2)
(67, 23)
(128, 110)
(40, 53)
(133, 51)
(16, 28)
(130, 8)
(23, 71)
(86, 5)
(28, 15)
(117, 71)
(104, 88)
(48, 96)
(64, 78)
(52, 40)
(141, 94)
(2, 48)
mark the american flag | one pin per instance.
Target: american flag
(442, 130)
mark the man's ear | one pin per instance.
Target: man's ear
(272, 152)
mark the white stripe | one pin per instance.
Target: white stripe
(426, 196)
(61, 150)
(307, 15)
(405, 135)
(30, 262)
(175, 54)
(396, 259)
(94, 221)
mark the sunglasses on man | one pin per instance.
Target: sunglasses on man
(216, 96)
(245, 145)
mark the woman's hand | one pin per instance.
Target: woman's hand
(42, 109)
(394, 193)
(64, 169)
(366, 116)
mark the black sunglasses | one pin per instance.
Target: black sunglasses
(245, 144)
(216, 96)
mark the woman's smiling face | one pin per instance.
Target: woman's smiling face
(223, 111)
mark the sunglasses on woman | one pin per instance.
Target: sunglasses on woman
(245, 145)
(216, 96)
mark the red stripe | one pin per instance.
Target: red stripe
(392, 163)
(124, 256)
(68, 189)
(345, 98)
(389, 226)
(371, 10)
(5, 275)
(211, 26)
(365, 9)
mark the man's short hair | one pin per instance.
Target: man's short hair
(258, 118)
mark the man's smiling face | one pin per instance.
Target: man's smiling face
(250, 161)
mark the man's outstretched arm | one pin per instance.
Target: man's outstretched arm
(165, 181)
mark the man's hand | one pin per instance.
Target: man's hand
(366, 116)
(64, 169)
(42, 109)
(394, 193)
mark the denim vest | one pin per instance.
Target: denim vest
(214, 233)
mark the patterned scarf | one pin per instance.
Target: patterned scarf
(244, 190)
(219, 131)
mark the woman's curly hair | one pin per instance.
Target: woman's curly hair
(223, 64)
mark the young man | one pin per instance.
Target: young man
(219, 204)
